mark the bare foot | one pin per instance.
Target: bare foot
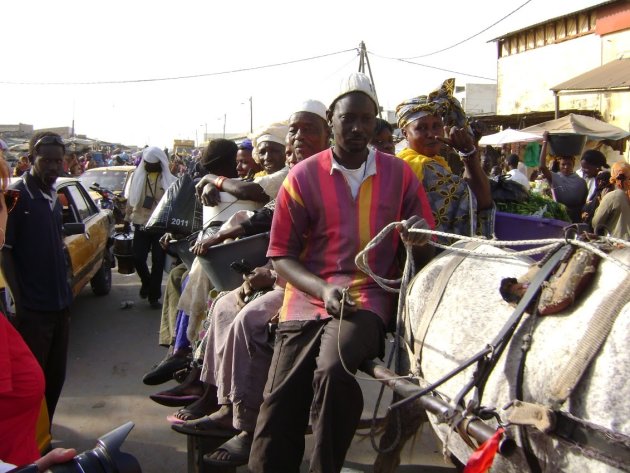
(205, 405)
(223, 416)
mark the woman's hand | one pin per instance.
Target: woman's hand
(458, 138)
(54, 457)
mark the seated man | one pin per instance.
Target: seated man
(329, 208)
(238, 354)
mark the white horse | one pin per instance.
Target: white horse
(470, 312)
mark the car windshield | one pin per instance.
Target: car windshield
(110, 179)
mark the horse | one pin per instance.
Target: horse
(453, 309)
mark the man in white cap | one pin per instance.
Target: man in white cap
(238, 355)
(150, 180)
(329, 208)
(269, 153)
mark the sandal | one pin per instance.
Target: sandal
(205, 427)
(238, 448)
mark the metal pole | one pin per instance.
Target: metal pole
(473, 426)
(224, 120)
(367, 60)
(251, 115)
(362, 57)
(556, 99)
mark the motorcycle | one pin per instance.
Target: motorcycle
(111, 201)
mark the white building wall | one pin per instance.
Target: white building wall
(524, 79)
(480, 99)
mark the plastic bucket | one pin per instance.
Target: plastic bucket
(123, 251)
(566, 144)
(512, 227)
(228, 206)
(216, 262)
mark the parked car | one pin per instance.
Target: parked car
(87, 244)
(89, 253)
(115, 178)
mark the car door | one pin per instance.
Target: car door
(86, 250)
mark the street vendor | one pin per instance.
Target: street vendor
(566, 186)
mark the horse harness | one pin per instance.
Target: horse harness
(593, 441)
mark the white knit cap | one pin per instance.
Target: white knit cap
(312, 106)
(357, 82)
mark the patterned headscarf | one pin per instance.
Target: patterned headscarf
(439, 102)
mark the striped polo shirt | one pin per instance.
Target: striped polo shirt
(319, 223)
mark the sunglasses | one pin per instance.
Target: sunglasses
(11, 197)
(49, 140)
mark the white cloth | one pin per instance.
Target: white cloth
(518, 176)
(271, 183)
(355, 177)
(276, 133)
(590, 183)
(4, 467)
(152, 154)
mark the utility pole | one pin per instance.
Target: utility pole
(224, 120)
(251, 115)
(363, 61)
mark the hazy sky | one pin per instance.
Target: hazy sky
(90, 41)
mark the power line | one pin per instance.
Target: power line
(432, 67)
(192, 76)
(470, 37)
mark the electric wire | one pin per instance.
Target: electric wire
(431, 67)
(191, 76)
(470, 37)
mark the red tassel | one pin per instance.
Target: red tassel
(482, 458)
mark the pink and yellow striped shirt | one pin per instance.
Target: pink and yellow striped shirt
(319, 223)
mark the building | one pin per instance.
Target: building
(578, 61)
(478, 99)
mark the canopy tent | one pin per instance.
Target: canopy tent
(592, 128)
(509, 135)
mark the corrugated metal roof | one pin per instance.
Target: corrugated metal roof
(611, 77)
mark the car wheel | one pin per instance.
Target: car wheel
(102, 281)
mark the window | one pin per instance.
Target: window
(82, 206)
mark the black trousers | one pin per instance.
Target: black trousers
(46, 334)
(143, 244)
(306, 374)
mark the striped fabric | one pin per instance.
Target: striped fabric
(317, 221)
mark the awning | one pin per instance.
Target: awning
(592, 128)
(509, 136)
(611, 77)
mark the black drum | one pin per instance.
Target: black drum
(123, 251)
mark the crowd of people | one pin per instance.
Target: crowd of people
(261, 363)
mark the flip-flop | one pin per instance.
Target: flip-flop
(239, 449)
(191, 414)
(173, 401)
(205, 427)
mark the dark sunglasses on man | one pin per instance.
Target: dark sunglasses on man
(49, 140)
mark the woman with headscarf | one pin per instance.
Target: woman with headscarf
(459, 205)
(149, 183)
(613, 214)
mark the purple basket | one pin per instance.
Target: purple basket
(508, 226)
